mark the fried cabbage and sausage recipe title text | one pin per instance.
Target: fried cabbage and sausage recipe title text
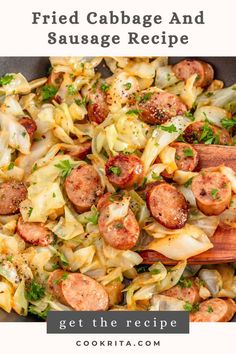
(128, 26)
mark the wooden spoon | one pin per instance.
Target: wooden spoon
(224, 239)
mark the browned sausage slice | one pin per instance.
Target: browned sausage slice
(186, 157)
(35, 233)
(97, 106)
(168, 206)
(203, 132)
(124, 171)
(79, 152)
(78, 291)
(83, 186)
(12, 193)
(186, 68)
(189, 294)
(214, 310)
(29, 124)
(159, 107)
(122, 233)
(212, 191)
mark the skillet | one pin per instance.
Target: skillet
(35, 67)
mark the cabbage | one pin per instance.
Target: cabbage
(160, 139)
(5, 296)
(186, 242)
(228, 217)
(114, 274)
(188, 194)
(45, 119)
(18, 136)
(212, 280)
(117, 210)
(225, 98)
(142, 70)
(45, 198)
(181, 177)
(172, 277)
(5, 152)
(11, 244)
(20, 303)
(190, 92)
(208, 224)
(213, 114)
(8, 271)
(230, 174)
(165, 77)
(19, 84)
(39, 260)
(12, 106)
(166, 303)
(167, 157)
(68, 227)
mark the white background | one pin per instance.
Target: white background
(20, 38)
(204, 338)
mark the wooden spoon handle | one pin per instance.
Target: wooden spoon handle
(215, 155)
(224, 251)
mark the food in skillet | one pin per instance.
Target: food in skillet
(94, 170)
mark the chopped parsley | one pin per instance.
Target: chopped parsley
(214, 193)
(228, 123)
(5, 80)
(35, 291)
(81, 102)
(156, 177)
(53, 195)
(170, 129)
(134, 111)
(142, 268)
(188, 152)
(105, 87)
(128, 85)
(66, 167)
(116, 170)
(10, 166)
(188, 182)
(42, 314)
(71, 90)
(93, 218)
(48, 92)
(189, 115)
(30, 211)
(63, 277)
(146, 97)
(34, 168)
(191, 308)
(24, 134)
(207, 136)
(209, 309)
(144, 182)
(209, 94)
(9, 258)
(185, 283)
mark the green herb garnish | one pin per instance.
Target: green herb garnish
(127, 86)
(170, 129)
(48, 92)
(105, 87)
(35, 291)
(5, 80)
(116, 170)
(66, 167)
(10, 166)
(188, 152)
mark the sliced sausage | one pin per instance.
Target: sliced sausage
(29, 124)
(83, 186)
(79, 152)
(12, 193)
(35, 233)
(124, 171)
(159, 107)
(202, 132)
(167, 205)
(186, 157)
(212, 191)
(121, 233)
(78, 291)
(214, 310)
(97, 106)
(187, 294)
(109, 198)
(186, 68)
